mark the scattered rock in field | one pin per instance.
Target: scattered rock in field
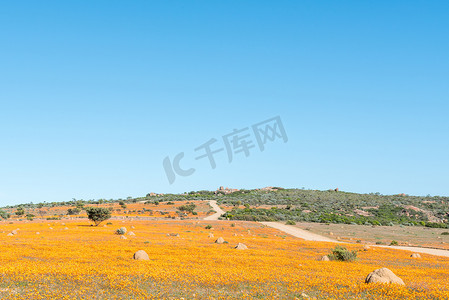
(338, 238)
(37, 232)
(132, 227)
(383, 275)
(415, 255)
(105, 225)
(14, 232)
(51, 228)
(331, 233)
(65, 228)
(220, 240)
(304, 295)
(63, 224)
(211, 235)
(131, 233)
(366, 248)
(141, 255)
(241, 246)
(325, 258)
(174, 234)
(123, 237)
(10, 234)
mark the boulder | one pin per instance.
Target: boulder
(123, 237)
(220, 240)
(415, 255)
(141, 255)
(131, 233)
(14, 232)
(383, 275)
(10, 234)
(241, 246)
(324, 258)
(211, 235)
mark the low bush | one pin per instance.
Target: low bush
(340, 253)
(120, 231)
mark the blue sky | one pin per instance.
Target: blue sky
(94, 95)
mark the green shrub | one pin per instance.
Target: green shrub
(20, 211)
(4, 214)
(436, 225)
(394, 243)
(120, 231)
(73, 211)
(208, 227)
(187, 208)
(445, 233)
(340, 253)
(290, 222)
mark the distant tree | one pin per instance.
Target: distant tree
(20, 211)
(98, 214)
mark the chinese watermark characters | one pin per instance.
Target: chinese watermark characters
(238, 142)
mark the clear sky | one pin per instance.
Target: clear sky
(95, 94)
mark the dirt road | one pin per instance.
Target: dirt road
(308, 236)
(299, 233)
(218, 210)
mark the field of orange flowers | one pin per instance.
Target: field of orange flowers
(78, 261)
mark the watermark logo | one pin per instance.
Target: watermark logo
(238, 142)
